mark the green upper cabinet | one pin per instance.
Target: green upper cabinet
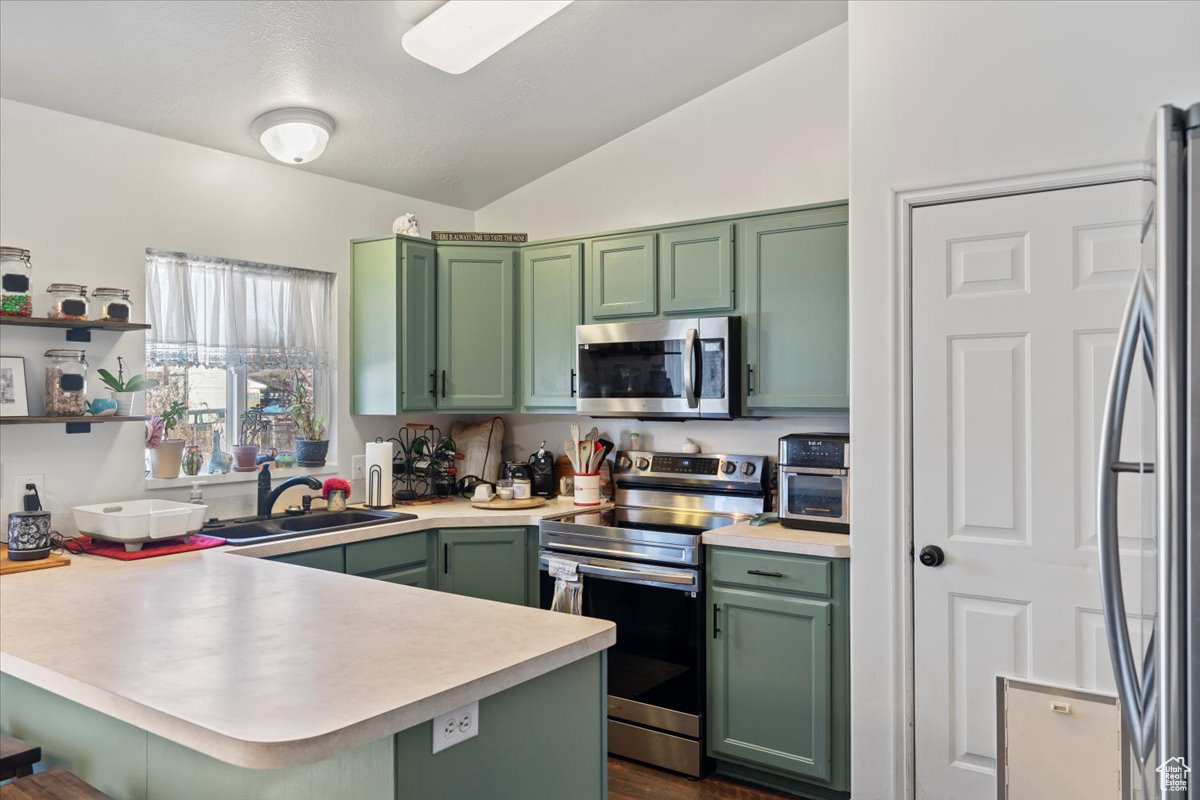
(374, 328)
(695, 273)
(392, 326)
(551, 307)
(770, 681)
(476, 328)
(419, 326)
(622, 277)
(484, 562)
(794, 272)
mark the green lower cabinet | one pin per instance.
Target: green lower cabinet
(490, 563)
(551, 307)
(404, 559)
(332, 559)
(794, 274)
(778, 676)
(695, 272)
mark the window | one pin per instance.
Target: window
(228, 336)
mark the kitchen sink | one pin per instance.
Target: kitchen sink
(254, 531)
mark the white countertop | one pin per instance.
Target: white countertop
(775, 538)
(266, 664)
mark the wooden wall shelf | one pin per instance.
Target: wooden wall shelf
(74, 424)
(78, 330)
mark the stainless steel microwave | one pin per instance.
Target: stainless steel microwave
(659, 369)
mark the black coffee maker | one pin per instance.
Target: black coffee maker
(541, 465)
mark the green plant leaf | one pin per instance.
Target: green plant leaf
(110, 380)
(135, 384)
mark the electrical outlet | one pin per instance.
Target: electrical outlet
(39, 481)
(358, 468)
(457, 726)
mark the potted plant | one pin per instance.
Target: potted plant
(253, 424)
(123, 391)
(311, 446)
(335, 491)
(166, 454)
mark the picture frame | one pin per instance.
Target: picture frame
(14, 391)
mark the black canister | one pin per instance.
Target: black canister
(28, 535)
(541, 465)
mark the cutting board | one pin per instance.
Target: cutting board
(496, 504)
(7, 566)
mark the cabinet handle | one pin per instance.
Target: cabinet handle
(716, 627)
(749, 379)
(445, 558)
(433, 384)
(572, 383)
(443, 383)
(764, 574)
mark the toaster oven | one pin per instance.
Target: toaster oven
(814, 481)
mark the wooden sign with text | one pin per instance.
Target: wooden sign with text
(468, 236)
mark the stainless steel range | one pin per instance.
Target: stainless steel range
(643, 568)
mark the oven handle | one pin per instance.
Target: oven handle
(689, 367)
(665, 580)
(837, 473)
(603, 551)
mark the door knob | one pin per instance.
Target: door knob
(932, 556)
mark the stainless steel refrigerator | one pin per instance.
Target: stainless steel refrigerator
(1158, 680)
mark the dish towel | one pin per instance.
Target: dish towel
(568, 586)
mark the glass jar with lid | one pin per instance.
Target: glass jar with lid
(68, 301)
(110, 304)
(66, 382)
(16, 279)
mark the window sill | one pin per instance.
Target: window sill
(184, 481)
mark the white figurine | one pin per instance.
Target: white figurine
(406, 225)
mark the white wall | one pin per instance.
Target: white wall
(87, 199)
(775, 136)
(944, 93)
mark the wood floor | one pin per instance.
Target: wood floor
(630, 781)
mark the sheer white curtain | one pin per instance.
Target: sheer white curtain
(218, 313)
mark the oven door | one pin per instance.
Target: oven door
(656, 668)
(820, 498)
(658, 368)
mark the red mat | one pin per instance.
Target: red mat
(98, 547)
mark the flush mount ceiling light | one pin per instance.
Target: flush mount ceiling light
(463, 33)
(293, 135)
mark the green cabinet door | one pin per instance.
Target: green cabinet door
(551, 307)
(483, 562)
(622, 277)
(412, 576)
(419, 326)
(795, 296)
(769, 672)
(476, 328)
(332, 559)
(374, 328)
(695, 274)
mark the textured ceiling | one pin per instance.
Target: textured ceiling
(202, 71)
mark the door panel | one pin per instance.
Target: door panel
(1015, 305)
(476, 328)
(487, 562)
(419, 301)
(551, 307)
(696, 274)
(374, 329)
(622, 277)
(770, 681)
(794, 275)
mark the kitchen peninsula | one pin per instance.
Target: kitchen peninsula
(298, 682)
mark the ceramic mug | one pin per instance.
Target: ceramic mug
(522, 488)
(587, 489)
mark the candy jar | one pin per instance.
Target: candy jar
(16, 278)
(68, 301)
(66, 383)
(110, 304)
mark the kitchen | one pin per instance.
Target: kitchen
(641, 190)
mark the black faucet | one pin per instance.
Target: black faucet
(267, 496)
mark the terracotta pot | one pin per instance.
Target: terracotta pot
(166, 459)
(244, 456)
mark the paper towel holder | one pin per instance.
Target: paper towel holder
(377, 497)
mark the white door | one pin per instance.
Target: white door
(1016, 301)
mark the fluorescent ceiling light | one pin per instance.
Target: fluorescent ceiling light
(293, 135)
(463, 33)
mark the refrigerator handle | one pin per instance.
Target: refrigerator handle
(1137, 698)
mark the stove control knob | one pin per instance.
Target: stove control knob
(623, 463)
(748, 468)
(729, 467)
(643, 463)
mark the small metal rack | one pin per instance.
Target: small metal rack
(424, 464)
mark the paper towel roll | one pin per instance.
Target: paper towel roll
(379, 474)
